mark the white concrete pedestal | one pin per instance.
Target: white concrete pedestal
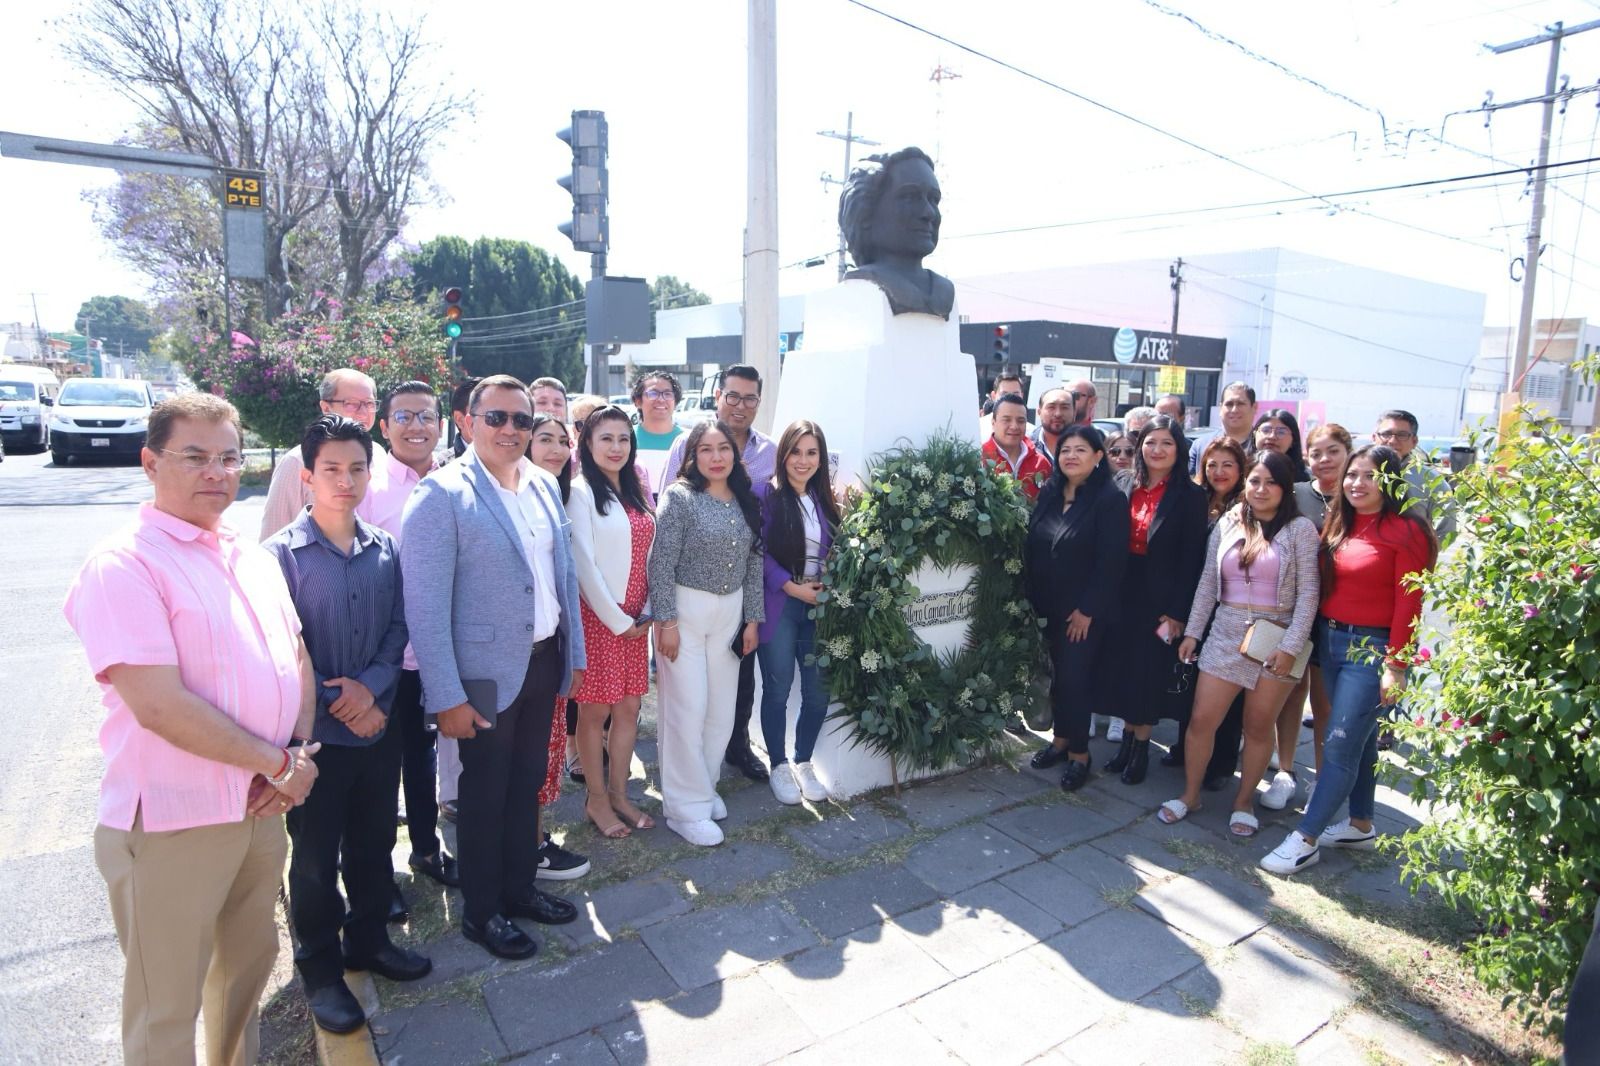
(873, 381)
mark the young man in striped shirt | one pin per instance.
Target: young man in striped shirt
(344, 577)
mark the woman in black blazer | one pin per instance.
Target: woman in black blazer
(1166, 545)
(1076, 550)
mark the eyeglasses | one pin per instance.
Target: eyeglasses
(1182, 678)
(495, 419)
(1393, 434)
(1273, 431)
(738, 399)
(1121, 453)
(421, 418)
(658, 394)
(355, 407)
(199, 462)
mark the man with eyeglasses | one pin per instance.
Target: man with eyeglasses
(1397, 429)
(193, 638)
(346, 392)
(492, 608)
(656, 394)
(738, 397)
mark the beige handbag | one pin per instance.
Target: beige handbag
(1262, 638)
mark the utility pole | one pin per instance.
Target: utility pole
(761, 204)
(1519, 361)
(850, 140)
(38, 329)
(940, 75)
(1175, 272)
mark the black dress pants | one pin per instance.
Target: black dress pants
(744, 702)
(498, 798)
(419, 765)
(350, 813)
(1072, 691)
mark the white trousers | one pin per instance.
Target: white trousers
(695, 710)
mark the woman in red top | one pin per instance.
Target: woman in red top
(1166, 542)
(1369, 613)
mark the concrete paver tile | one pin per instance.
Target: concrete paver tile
(846, 834)
(1049, 828)
(1051, 888)
(963, 857)
(839, 905)
(1124, 954)
(895, 1037)
(710, 945)
(833, 987)
(606, 912)
(719, 871)
(457, 1030)
(537, 1007)
(1155, 1031)
(944, 802)
(1264, 989)
(585, 1049)
(738, 1022)
(1208, 904)
(977, 927)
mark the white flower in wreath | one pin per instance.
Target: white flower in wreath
(920, 470)
(841, 598)
(883, 598)
(1013, 566)
(839, 647)
(871, 661)
(968, 484)
(965, 698)
(1005, 702)
(944, 481)
(924, 500)
(1015, 609)
(961, 509)
(875, 540)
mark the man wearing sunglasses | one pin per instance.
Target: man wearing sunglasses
(738, 398)
(492, 608)
(346, 392)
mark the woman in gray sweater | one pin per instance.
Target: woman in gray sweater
(707, 597)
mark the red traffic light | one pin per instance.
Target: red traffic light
(1002, 341)
(452, 295)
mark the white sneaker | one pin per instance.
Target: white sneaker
(1114, 731)
(705, 834)
(1345, 835)
(1273, 763)
(719, 810)
(784, 786)
(810, 787)
(1280, 792)
(1290, 857)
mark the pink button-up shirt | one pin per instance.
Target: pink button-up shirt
(385, 506)
(167, 593)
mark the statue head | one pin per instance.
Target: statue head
(890, 207)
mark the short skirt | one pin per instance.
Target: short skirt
(1220, 656)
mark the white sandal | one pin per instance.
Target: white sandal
(1174, 811)
(1250, 822)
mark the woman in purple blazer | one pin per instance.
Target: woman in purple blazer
(799, 520)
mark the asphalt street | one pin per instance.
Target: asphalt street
(60, 969)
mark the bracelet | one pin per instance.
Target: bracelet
(287, 759)
(668, 625)
(284, 776)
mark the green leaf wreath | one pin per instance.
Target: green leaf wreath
(942, 504)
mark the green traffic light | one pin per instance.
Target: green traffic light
(452, 330)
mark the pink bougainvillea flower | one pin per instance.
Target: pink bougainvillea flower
(1538, 575)
(1530, 611)
(1480, 603)
(1485, 519)
(1424, 654)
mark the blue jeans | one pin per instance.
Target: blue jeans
(1352, 666)
(791, 642)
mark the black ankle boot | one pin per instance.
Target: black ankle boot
(1174, 755)
(1138, 763)
(1119, 761)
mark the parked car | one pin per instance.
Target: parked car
(625, 402)
(692, 410)
(26, 394)
(100, 416)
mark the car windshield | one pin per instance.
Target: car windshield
(102, 394)
(17, 390)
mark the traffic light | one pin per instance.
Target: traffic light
(590, 228)
(452, 312)
(1002, 343)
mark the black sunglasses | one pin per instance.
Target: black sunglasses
(496, 419)
(1182, 678)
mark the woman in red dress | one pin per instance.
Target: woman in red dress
(612, 527)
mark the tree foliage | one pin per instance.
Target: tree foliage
(523, 309)
(334, 106)
(124, 323)
(1506, 727)
(668, 292)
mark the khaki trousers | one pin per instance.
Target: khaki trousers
(194, 915)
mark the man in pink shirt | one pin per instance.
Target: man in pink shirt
(194, 640)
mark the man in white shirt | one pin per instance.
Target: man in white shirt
(345, 392)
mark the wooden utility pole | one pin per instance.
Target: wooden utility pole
(761, 225)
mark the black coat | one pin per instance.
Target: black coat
(1076, 560)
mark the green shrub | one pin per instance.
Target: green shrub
(1502, 716)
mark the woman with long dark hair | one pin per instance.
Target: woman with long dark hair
(1221, 468)
(799, 520)
(1279, 431)
(1077, 549)
(1370, 548)
(1260, 567)
(706, 596)
(612, 528)
(1166, 540)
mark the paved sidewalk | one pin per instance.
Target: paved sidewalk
(985, 917)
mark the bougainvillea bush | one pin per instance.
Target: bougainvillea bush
(1504, 718)
(273, 380)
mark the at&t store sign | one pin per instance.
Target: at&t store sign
(1128, 347)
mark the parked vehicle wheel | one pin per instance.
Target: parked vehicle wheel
(59, 457)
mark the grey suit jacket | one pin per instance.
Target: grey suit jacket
(468, 588)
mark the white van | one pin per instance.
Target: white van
(26, 394)
(100, 416)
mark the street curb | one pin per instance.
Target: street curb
(357, 1048)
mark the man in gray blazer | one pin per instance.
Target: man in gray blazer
(492, 607)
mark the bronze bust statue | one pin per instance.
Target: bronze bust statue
(889, 214)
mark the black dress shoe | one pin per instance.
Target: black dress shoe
(391, 961)
(543, 908)
(1138, 763)
(1174, 756)
(441, 867)
(747, 762)
(336, 1008)
(1119, 761)
(500, 936)
(397, 908)
(1075, 776)
(1047, 756)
